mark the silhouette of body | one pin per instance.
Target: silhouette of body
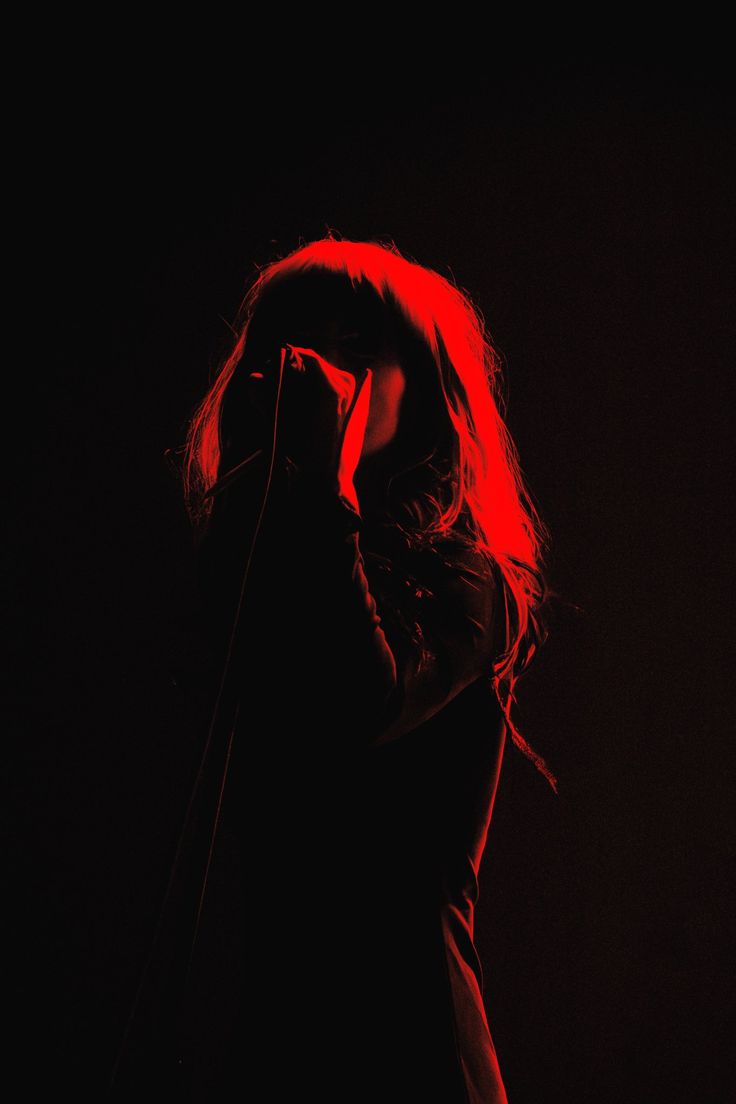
(392, 594)
(359, 857)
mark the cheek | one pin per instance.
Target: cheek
(389, 385)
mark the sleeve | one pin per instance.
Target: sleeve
(440, 628)
(382, 643)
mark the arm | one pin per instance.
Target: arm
(447, 640)
(384, 654)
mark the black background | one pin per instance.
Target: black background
(588, 211)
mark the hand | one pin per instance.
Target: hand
(323, 413)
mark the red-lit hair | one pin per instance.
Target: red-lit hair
(487, 482)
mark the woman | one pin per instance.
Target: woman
(370, 569)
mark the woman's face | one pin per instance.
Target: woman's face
(352, 350)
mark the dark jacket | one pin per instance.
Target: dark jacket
(367, 745)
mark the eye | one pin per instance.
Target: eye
(358, 345)
(358, 355)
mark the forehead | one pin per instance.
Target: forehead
(321, 302)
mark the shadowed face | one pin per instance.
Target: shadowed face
(353, 329)
(349, 329)
(353, 350)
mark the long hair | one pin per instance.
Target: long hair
(486, 485)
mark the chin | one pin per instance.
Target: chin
(373, 447)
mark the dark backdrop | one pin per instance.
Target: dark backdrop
(588, 212)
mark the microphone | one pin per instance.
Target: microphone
(350, 440)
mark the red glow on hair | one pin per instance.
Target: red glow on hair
(487, 478)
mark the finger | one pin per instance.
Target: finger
(354, 435)
(357, 418)
(293, 358)
(339, 382)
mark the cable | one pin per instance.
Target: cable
(226, 670)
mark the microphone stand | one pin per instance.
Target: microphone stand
(221, 729)
(225, 715)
